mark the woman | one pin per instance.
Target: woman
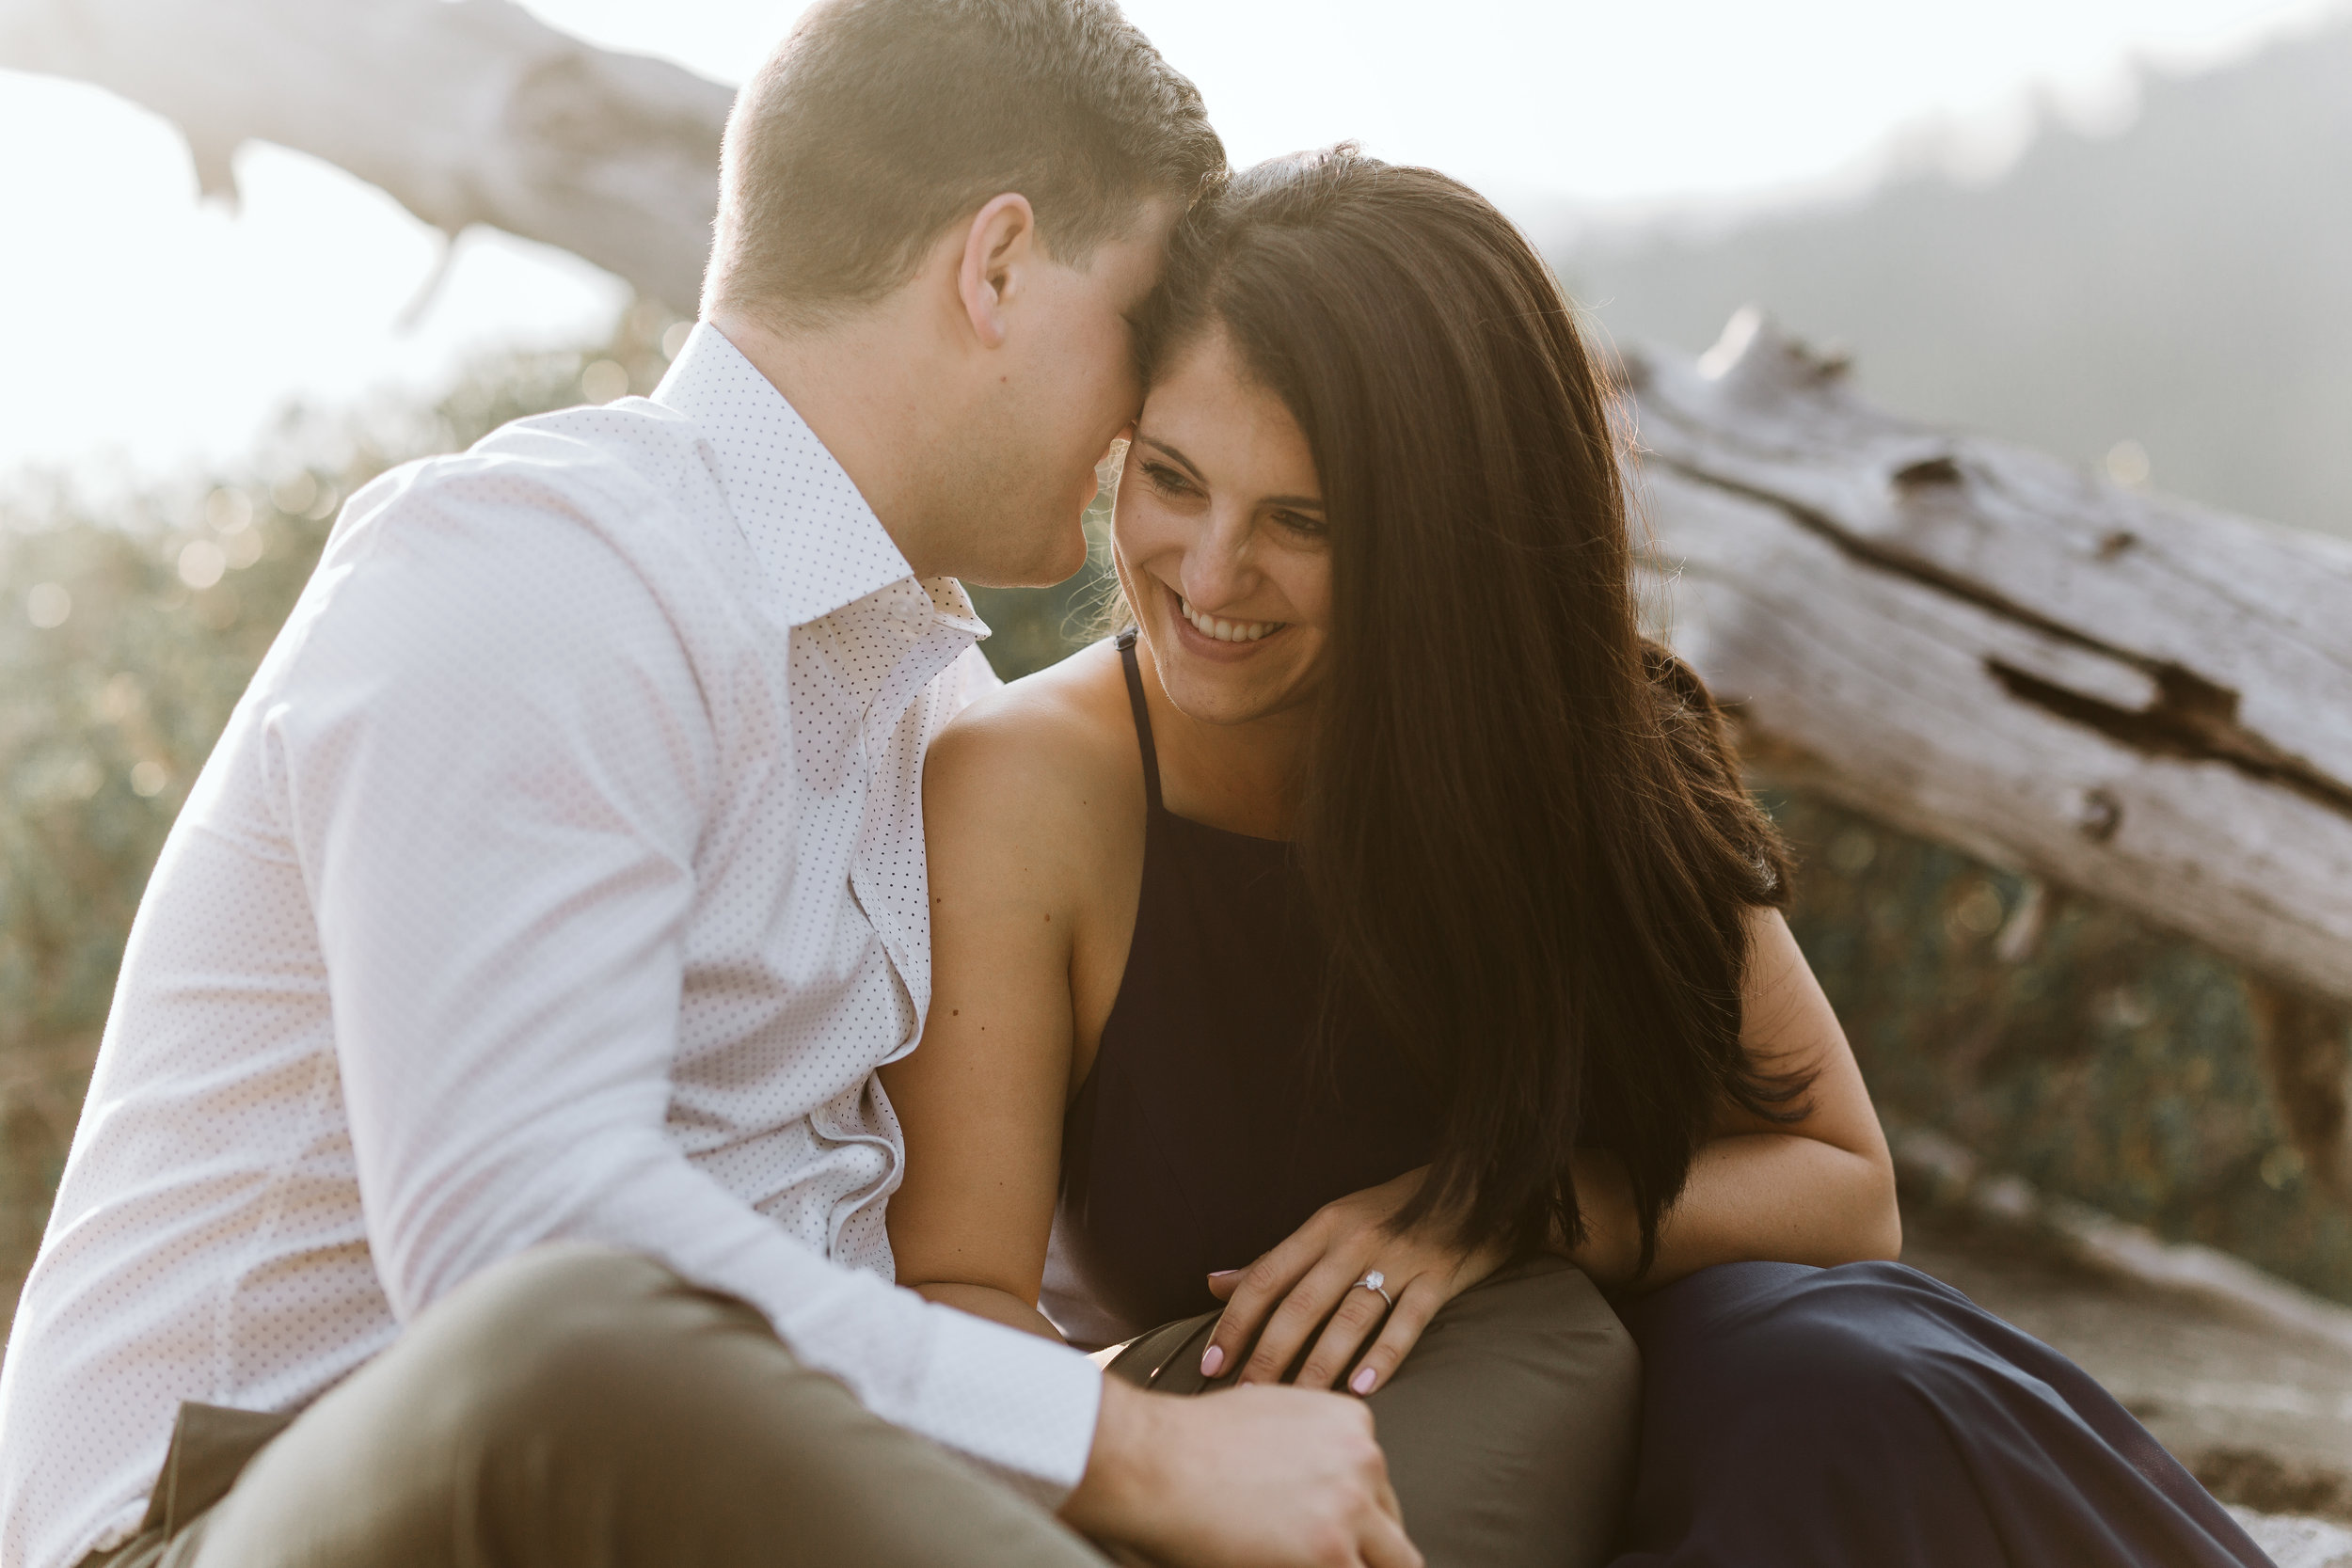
(1384, 920)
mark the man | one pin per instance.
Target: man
(485, 1161)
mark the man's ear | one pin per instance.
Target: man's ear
(998, 250)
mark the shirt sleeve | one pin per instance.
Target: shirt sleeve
(489, 739)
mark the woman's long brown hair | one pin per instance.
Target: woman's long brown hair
(1528, 845)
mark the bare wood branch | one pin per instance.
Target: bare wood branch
(2122, 693)
(465, 111)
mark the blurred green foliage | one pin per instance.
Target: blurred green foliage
(2104, 1060)
(2113, 1064)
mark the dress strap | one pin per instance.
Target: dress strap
(1143, 718)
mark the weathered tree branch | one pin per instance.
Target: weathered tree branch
(465, 111)
(2120, 693)
(2123, 693)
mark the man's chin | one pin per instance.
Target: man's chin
(1050, 564)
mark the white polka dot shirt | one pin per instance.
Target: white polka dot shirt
(561, 874)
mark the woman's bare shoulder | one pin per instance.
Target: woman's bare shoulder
(1046, 755)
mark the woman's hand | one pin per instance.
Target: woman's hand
(1297, 1286)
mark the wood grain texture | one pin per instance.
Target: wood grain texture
(2128, 695)
(465, 111)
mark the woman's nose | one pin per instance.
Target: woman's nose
(1217, 569)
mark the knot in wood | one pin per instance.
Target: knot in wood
(2101, 814)
(1928, 472)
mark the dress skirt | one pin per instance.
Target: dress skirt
(1870, 1417)
(1861, 1416)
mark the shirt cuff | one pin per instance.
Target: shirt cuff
(1022, 1407)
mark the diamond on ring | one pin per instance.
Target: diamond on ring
(1374, 1279)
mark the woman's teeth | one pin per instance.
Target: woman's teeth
(1227, 631)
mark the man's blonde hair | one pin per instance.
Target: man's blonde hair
(878, 124)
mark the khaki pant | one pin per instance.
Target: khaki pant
(580, 1408)
(1510, 1429)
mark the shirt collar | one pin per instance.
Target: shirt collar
(820, 543)
(953, 606)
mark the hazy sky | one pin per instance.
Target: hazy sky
(145, 329)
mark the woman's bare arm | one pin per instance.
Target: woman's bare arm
(1817, 1191)
(1013, 855)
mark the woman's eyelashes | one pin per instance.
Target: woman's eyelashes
(1168, 482)
(1175, 485)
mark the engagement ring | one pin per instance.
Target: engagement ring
(1374, 1279)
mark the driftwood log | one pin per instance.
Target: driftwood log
(2125, 695)
(465, 111)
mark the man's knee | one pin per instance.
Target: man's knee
(1557, 1303)
(1511, 1427)
(1537, 1343)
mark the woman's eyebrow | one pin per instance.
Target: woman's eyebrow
(1172, 453)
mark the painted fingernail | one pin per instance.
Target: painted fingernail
(1363, 1380)
(1213, 1361)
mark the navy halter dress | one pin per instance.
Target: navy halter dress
(1861, 1416)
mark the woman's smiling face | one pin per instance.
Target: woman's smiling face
(1221, 541)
